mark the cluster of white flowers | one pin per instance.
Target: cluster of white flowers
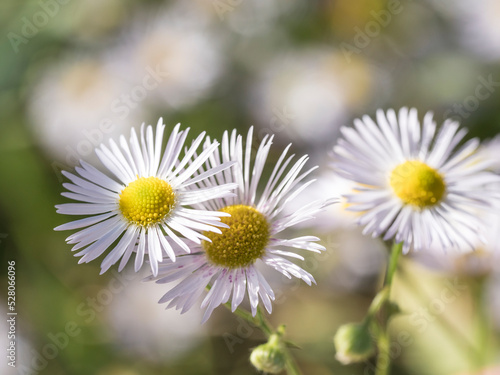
(206, 221)
(198, 218)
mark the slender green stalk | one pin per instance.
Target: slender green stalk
(291, 365)
(264, 325)
(383, 358)
(245, 315)
(393, 263)
(378, 302)
(260, 321)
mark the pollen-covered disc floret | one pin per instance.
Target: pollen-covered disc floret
(417, 184)
(145, 209)
(229, 263)
(243, 242)
(147, 201)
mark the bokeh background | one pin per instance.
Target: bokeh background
(74, 73)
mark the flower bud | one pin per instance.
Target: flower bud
(353, 343)
(269, 357)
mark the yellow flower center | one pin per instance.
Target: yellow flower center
(147, 201)
(417, 184)
(243, 242)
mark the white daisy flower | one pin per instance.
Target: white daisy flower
(228, 264)
(413, 185)
(149, 202)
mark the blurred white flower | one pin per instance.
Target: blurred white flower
(248, 18)
(252, 17)
(73, 107)
(178, 45)
(310, 94)
(142, 326)
(476, 23)
(480, 26)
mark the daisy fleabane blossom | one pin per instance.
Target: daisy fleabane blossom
(228, 265)
(414, 184)
(147, 207)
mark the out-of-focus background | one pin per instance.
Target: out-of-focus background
(74, 73)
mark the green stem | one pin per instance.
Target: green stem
(264, 325)
(244, 314)
(385, 293)
(291, 365)
(383, 358)
(260, 321)
(393, 263)
(378, 302)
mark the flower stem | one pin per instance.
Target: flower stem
(291, 365)
(260, 321)
(383, 358)
(378, 302)
(246, 315)
(393, 263)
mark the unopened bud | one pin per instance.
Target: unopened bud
(269, 357)
(353, 343)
